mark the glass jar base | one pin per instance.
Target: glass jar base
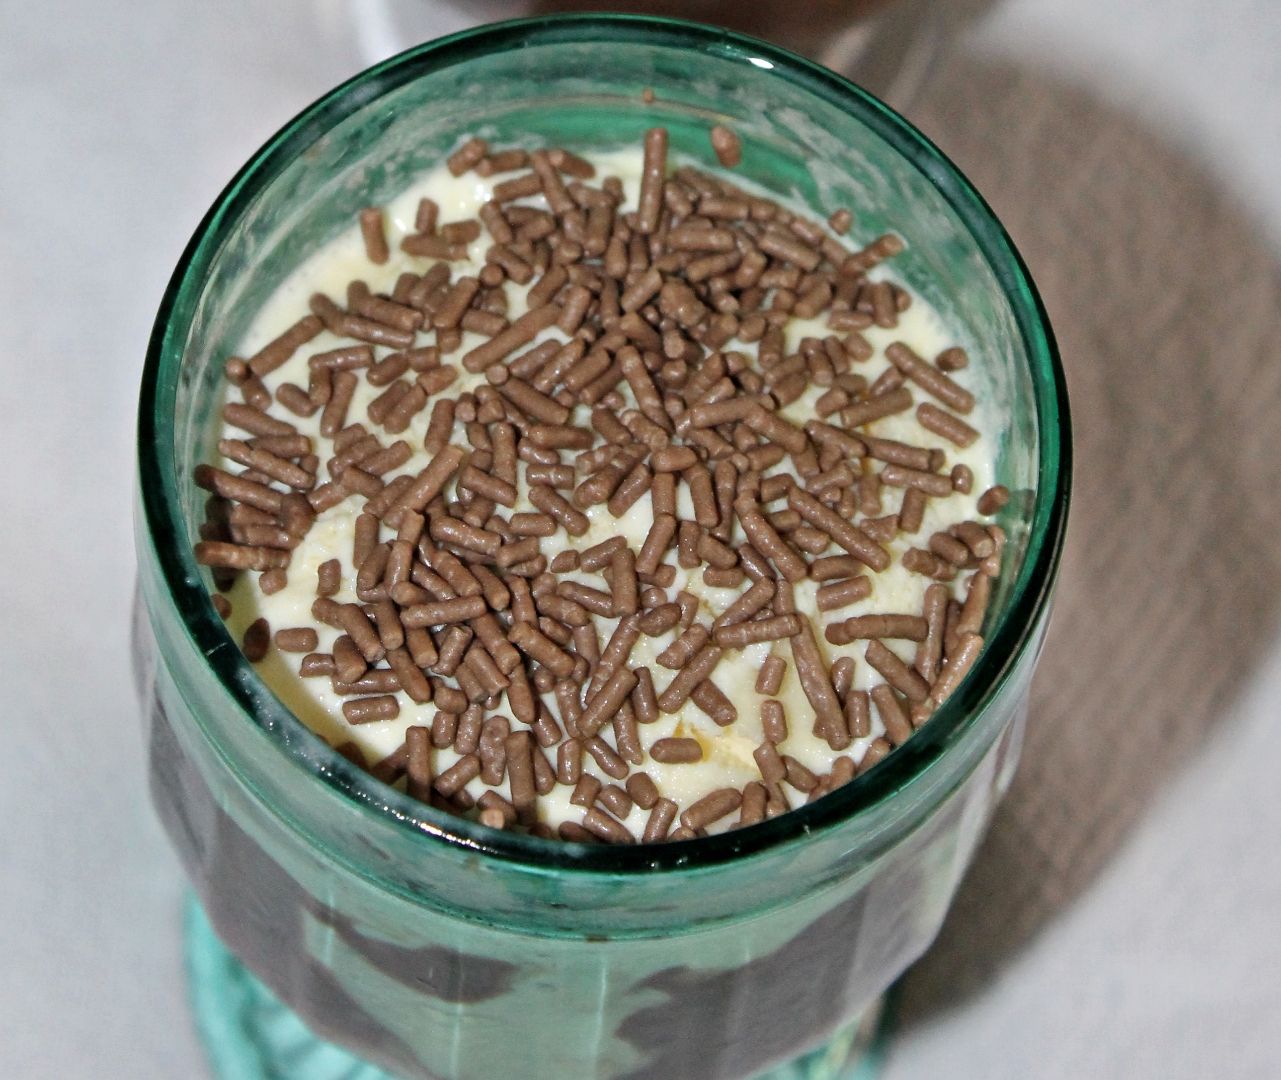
(249, 1034)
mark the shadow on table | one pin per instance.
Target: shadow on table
(1165, 301)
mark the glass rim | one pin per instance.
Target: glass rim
(300, 747)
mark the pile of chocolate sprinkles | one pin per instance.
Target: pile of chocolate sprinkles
(674, 374)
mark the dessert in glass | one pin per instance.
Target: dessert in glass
(442, 932)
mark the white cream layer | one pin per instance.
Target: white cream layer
(727, 760)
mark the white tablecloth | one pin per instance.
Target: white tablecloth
(1121, 920)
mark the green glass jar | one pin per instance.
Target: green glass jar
(437, 947)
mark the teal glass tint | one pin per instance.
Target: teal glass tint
(437, 947)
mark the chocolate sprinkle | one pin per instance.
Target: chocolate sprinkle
(672, 400)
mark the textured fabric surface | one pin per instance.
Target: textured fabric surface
(1167, 308)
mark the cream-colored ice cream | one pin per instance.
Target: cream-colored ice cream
(728, 751)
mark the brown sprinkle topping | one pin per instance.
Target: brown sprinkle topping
(769, 680)
(457, 606)
(728, 149)
(297, 639)
(674, 751)
(371, 709)
(993, 499)
(711, 808)
(256, 640)
(373, 231)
